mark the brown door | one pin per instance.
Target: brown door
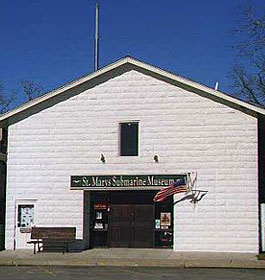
(120, 225)
(142, 226)
(131, 225)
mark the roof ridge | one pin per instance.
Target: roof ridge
(149, 67)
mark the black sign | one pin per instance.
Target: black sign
(123, 181)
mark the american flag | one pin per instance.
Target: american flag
(178, 186)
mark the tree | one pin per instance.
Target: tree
(6, 100)
(248, 73)
(31, 89)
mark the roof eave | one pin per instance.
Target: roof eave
(65, 87)
(198, 86)
(145, 66)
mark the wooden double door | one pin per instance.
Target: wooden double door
(131, 225)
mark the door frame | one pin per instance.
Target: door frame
(17, 203)
(128, 197)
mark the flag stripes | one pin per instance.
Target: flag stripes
(177, 187)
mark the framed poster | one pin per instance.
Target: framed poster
(100, 206)
(157, 223)
(165, 218)
(98, 226)
(98, 215)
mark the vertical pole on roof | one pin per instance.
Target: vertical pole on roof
(216, 86)
(96, 38)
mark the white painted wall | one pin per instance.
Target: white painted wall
(186, 131)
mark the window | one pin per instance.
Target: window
(129, 134)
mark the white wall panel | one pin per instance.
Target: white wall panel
(187, 132)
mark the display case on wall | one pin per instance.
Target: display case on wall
(99, 223)
(164, 224)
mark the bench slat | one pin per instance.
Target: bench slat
(53, 233)
(51, 237)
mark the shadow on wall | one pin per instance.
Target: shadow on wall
(194, 197)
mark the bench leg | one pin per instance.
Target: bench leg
(38, 247)
(65, 247)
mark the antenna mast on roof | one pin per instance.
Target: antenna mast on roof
(96, 38)
(216, 86)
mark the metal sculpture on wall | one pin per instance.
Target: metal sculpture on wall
(187, 185)
(194, 195)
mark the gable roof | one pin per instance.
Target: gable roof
(171, 77)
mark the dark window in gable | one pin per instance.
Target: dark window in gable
(129, 137)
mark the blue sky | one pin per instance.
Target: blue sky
(51, 41)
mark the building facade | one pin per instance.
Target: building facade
(93, 154)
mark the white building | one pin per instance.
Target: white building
(68, 148)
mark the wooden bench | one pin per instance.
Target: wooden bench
(52, 237)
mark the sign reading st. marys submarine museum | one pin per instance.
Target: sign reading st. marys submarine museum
(123, 181)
